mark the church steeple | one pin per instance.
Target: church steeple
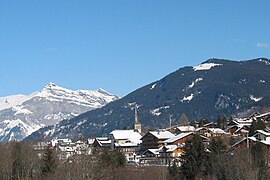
(136, 114)
(137, 125)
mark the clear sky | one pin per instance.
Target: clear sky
(121, 45)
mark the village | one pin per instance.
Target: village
(163, 146)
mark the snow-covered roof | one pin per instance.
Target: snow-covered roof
(130, 135)
(170, 148)
(186, 128)
(162, 134)
(267, 141)
(126, 144)
(176, 138)
(262, 115)
(154, 151)
(250, 139)
(217, 130)
(263, 132)
(201, 128)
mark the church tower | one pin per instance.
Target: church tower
(137, 125)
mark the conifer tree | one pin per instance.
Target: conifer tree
(193, 157)
(48, 164)
(17, 165)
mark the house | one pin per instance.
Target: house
(210, 125)
(65, 150)
(244, 143)
(174, 147)
(155, 139)
(40, 148)
(183, 129)
(150, 156)
(210, 132)
(56, 141)
(127, 141)
(167, 153)
(179, 139)
(261, 135)
(82, 148)
(239, 129)
(100, 143)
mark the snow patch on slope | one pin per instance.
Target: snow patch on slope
(256, 99)
(194, 82)
(156, 112)
(205, 66)
(21, 110)
(187, 98)
(14, 100)
(153, 86)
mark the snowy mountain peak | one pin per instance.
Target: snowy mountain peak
(27, 113)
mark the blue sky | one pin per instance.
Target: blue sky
(121, 45)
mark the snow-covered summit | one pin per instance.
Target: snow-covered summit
(27, 113)
(93, 99)
(205, 66)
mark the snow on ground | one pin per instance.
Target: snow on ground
(194, 82)
(205, 66)
(156, 112)
(264, 61)
(188, 98)
(14, 100)
(20, 110)
(29, 129)
(153, 86)
(94, 99)
(256, 99)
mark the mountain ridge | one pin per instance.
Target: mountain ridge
(215, 87)
(53, 103)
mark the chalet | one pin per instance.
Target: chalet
(82, 148)
(239, 129)
(179, 139)
(101, 143)
(56, 141)
(184, 129)
(167, 153)
(40, 148)
(127, 141)
(261, 135)
(66, 150)
(155, 139)
(174, 147)
(150, 156)
(244, 143)
(210, 125)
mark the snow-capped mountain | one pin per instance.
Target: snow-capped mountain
(215, 87)
(21, 115)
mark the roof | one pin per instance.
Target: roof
(179, 136)
(170, 148)
(263, 132)
(126, 144)
(267, 141)
(217, 130)
(186, 128)
(250, 139)
(130, 135)
(162, 134)
(262, 115)
(201, 128)
(153, 151)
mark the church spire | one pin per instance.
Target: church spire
(137, 125)
(136, 114)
